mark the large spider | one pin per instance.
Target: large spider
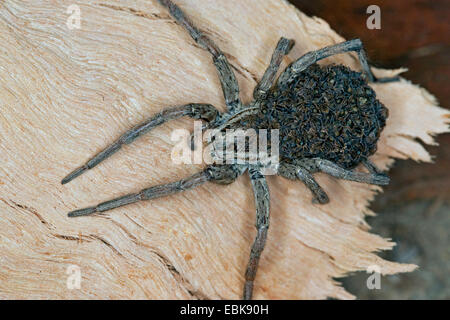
(329, 120)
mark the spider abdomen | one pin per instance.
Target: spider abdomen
(326, 112)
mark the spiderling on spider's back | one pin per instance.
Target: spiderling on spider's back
(325, 112)
(328, 118)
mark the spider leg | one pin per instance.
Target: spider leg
(283, 47)
(262, 203)
(227, 78)
(313, 56)
(371, 166)
(194, 110)
(303, 174)
(319, 196)
(146, 194)
(338, 172)
(218, 174)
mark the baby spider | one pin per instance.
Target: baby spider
(328, 118)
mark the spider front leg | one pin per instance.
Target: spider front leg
(304, 168)
(313, 56)
(283, 47)
(219, 174)
(262, 203)
(227, 78)
(194, 110)
(146, 194)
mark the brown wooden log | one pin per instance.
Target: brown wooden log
(65, 94)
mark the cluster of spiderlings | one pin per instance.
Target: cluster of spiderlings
(326, 112)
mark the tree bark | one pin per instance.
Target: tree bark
(67, 93)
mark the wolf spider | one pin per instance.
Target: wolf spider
(329, 121)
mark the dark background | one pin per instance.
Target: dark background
(414, 209)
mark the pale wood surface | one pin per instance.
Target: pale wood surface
(66, 94)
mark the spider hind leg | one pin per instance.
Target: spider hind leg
(304, 169)
(336, 171)
(283, 47)
(294, 172)
(146, 194)
(313, 56)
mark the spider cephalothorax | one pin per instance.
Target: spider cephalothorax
(328, 120)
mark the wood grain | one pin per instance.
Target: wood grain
(66, 94)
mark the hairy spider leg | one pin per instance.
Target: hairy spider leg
(304, 174)
(230, 86)
(336, 171)
(371, 166)
(313, 56)
(262, 204)
(319, 196)
(147, 194)
(283, 47)
(194, 110)
(304, 170)
(221, 174)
